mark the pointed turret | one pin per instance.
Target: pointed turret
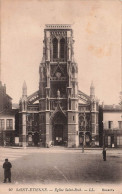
(24, 89)
(24, 96)
(92, 90)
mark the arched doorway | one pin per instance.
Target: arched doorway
(58, 134)
(36, 138)
(59, 129)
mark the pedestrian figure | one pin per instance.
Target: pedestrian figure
(4, 143)
(104, 154)
(7, 170)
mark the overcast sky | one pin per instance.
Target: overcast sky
(97, 35)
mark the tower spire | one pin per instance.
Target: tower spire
(92, 90)
(24, 89)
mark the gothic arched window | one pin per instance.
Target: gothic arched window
(62, 48)
(55, 48)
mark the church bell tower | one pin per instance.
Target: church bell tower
(58, 88)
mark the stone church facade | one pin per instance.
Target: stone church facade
(58, 114)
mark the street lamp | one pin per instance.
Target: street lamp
(103, 136)
(83, 141)
(104, 150)
(84, 131)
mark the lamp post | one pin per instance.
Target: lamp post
(103, 135)
(83, 141)
(104, 150)
(103, 140)
(84, 132)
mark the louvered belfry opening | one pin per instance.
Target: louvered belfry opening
(55, 48)
(62, 48)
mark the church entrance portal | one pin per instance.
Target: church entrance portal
(58, 134)
(36, 138)
(59, 129)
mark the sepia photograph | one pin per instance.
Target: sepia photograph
(60, 96)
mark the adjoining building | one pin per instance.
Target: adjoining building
(7, 118)
(5, 99)
(7, 127)
(111, 125)
(58, 113)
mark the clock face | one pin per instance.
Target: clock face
(58, 74)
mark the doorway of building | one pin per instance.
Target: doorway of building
(36, 138)
(112, 141)
(58, 135)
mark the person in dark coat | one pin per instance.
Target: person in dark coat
(7, 170)
(104, 154)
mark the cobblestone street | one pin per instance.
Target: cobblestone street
(48, 166)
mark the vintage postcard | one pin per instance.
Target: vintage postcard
(61, 96)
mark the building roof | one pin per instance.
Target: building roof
(112, 108)
(8, 112)
(8, 96)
